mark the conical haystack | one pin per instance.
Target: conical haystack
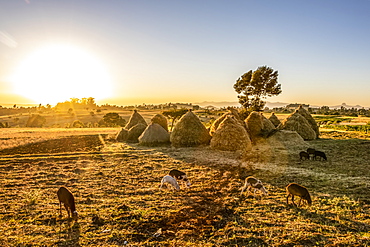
(135, 131)
(154, 135)
(298, 123)
(231, 112)
(255, 125)
(310, 119)
(286, 139)
(267, 126)
(122, 135)
(189, 131)
(274, 120)
(161, 120)
(135, 119)
(231, 136)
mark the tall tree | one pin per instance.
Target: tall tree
(253, 86)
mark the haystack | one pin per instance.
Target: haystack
(135, 119)
(310, 119)
(135, 131)
(274, 120)
(122, 135)
(286, 139)
(154, 135)
(255, 125)
(268, 126)
(231, 112)
(189, 131)
(297, 122)
(231, 136)
(161, 120)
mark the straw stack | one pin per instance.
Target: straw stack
(297, 122)
(135, 119)
(274, 120)
(161, 120)
(189, 131)
(154, 135)
(122, 135)
(310, 119)
(135, 131)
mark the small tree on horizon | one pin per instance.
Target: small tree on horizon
(253, 86)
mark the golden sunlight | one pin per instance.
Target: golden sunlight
(57, 73)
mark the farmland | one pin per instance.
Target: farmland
(119, 203)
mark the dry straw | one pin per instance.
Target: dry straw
(231, 136)
(231, 112)
(135, 131)
(255, 125)
(310, 119)
(274, 120)
(189, 131)
(297, 122)
(267, 126)
(154, 135)
(135, 119)
(161, 120)
(122, 135)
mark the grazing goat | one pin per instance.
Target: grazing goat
(311, 152)
(294, 189)
(170, 180)
(252, 182)
(179, 175)
(304, 155)
(66, 197)
(320, 154)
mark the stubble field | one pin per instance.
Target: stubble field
(120, 204)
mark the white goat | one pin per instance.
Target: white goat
(252, 182)
(170, 180)
(181, 176)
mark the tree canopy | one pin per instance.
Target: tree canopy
(253, 86)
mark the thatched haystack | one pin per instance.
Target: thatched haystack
(255, 125)
(231, 112)
(122, 135)
(135, 131)
(135, 119)
(154, 135)
(274, 120)
(310, 119)
(231, 136)
(286, 139)
(36, 120)
(268, 127)
(296, 122)
(161, 120)
(189, 131)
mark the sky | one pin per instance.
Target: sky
(144, 51)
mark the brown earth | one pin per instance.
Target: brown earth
(119, 202)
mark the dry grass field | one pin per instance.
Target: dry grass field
(119, 202)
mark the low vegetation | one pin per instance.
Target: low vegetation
(119, 203)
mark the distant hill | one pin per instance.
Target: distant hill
(269, 104)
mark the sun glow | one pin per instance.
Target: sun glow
(59, 72)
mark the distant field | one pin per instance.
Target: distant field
(119, 203)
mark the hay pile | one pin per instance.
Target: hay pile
(310, 119)
(274, 120)
(154, 135)
(161, 120)
(255, 125)
(231, 112)
(189, 131)
(268, 127)
(296, 122)
(286, 139)
(135, 119)
(134, 132)
(231, 136)
(122, 135)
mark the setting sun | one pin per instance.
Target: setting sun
(58, 72)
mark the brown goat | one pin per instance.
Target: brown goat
(252, 182)
(294, 189)
(66, 197)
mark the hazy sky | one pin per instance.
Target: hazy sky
(186, 51)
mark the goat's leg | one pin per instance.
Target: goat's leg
(287, 199)
(60, 209)
(293, 201)
(299, 203)
(65, 206)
